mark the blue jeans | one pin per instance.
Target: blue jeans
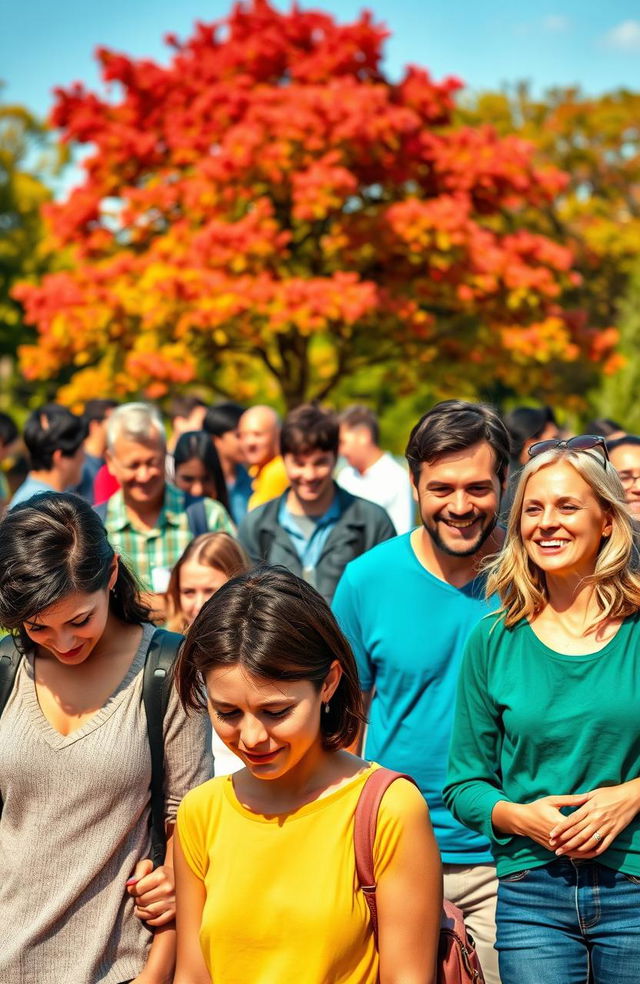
(569, 922)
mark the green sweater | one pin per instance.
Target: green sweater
(531, 722)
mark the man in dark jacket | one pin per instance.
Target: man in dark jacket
(315, 528)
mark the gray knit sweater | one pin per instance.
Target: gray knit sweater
(75, 822)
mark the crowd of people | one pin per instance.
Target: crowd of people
(469, 621)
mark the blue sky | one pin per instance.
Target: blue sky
(596, 44)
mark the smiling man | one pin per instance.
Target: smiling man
(407, 608)
(315, 528)
(149, 521)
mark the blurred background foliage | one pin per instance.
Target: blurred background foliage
(583, 357)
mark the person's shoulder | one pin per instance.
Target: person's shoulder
(215, 510)
(632, 622)
(199, 800)
(174, 498)
(263, 515)
(347, 477)
(361, 510)
(20, 495)
(274, 468)
(402, 800)
(385, 556)
(30, 487)
(112, 512)
(393, 467)
(490, 628)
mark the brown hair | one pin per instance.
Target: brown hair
(276, 626)
(360, 416)
(454, 425)
(217, 550)
(309, 428)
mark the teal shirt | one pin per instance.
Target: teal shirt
(531, 722)
(407, 629)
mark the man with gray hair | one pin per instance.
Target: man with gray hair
(149, 521)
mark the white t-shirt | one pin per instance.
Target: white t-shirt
(387, 483)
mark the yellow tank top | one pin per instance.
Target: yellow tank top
(282, 903)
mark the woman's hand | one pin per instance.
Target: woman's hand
(606, 812)
(535, 820)
(154, 893)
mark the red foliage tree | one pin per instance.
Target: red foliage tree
(271, 196)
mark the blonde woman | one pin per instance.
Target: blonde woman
(545, 754)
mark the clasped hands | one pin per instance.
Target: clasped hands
(599, 816)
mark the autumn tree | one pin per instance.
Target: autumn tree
(595, 141)
(270, 198)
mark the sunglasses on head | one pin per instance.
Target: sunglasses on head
(583, 442)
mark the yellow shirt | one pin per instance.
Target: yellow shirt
(268, 482)
(282, 904)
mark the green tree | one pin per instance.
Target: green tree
(617, 397)
(23, 141)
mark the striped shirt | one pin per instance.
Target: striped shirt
(152, 553)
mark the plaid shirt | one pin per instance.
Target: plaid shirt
(160, 548)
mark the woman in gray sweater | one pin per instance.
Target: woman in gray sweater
(75, 760)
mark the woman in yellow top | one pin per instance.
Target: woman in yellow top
(267, 891)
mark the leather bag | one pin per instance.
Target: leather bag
(457, 957)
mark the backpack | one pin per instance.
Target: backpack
(193, 506)
(457, 961)
(156, 687)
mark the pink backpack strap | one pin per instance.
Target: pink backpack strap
(364, 835)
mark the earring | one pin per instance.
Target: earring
(327, 708)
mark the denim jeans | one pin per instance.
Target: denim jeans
(569, 922)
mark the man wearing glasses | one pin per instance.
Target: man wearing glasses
(624, 454)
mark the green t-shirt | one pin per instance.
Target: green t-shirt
(531, 722)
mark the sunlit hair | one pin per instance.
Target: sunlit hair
(136, 421)
(277, 627)
(520, 583)
(216, 550)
